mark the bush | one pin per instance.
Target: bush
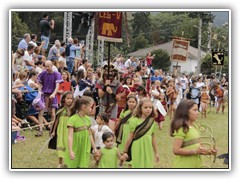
(161, 60)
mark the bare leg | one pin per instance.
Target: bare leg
(43, 51)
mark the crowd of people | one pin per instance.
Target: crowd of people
(112, 111)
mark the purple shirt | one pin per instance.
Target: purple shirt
(49, 81)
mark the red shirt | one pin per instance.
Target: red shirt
(65, 86)
(149, 60)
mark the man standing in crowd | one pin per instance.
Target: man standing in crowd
(49, 81)
(45, 28)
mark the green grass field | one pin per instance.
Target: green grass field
(25, 154)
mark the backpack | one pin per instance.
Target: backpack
(67, 50)
(31, 95)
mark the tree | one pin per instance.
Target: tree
(161, 60)
(206, 66)
(140, 42)
(141, 23)
(19, 28)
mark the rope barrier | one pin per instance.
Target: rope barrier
(31, 127)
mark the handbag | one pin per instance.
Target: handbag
(38, 102)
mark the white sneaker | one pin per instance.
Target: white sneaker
(24, 121)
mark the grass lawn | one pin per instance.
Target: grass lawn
(25, 154)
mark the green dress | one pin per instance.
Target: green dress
(192, 161)
(126, 131)
(109, 158)
(142, 148)
(62, 133)
(81, 142)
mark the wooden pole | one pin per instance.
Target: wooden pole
(109, 58)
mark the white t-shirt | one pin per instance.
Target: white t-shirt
(183, 81)
(33, 43)
(82, 67)
(54, 68)
(128, 63)
(199, 84)
(27, 57)
(62, 59)
(97, 133)
(38, 70)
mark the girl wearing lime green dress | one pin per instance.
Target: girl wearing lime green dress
(122, 130)
(187, 146)
(60, 124)
(109, 155)
(141, 145)
(80, 137)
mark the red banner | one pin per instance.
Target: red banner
(110, 26)
(179, 50)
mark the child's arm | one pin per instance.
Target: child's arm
(120, 157)
(130, 138)
(178, 150)
(70, 141)
(92, 141)
(55, 126)
(98, 156)
(155, 148)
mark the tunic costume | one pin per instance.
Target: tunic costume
(142, 148)
(126, 131)
(81, 144)
(109, 158)
(62, 133)
(49, 81)
(191, 161)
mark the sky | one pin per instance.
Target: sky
(123, 4)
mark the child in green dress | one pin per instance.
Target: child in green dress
(141, 144)
(122, 130)
(80, 136)
(60, 124)
(109, 155)
(187, 146)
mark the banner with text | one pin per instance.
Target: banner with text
(180, 50)
(110, 26)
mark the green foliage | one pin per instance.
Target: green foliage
(140, 42)
(161, 60)
(166, 25)
(19, 28)
(206, 66)
(220, 37)
(141, 23)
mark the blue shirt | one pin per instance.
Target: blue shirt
(23, 44)
(154, 78)
(73, 50)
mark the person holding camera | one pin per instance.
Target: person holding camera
(45, 29)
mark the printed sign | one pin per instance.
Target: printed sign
(110, 26)
(179, 50)
(218, 58)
